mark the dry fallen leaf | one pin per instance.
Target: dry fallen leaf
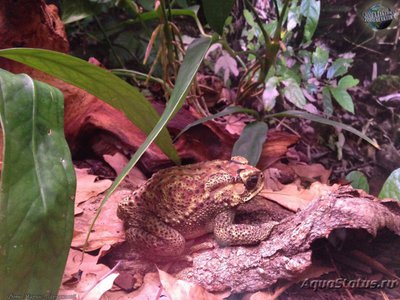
(118, 161)
(101, 287)
(259, 296)
(92, 275)
(108, 228)
(294, 198)
(87, 186)
(314, 172)
(149, 290)
(235, 124)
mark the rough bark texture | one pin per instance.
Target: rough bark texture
(288, 251)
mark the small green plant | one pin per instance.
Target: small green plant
(390, 189)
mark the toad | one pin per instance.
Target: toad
(185, 202)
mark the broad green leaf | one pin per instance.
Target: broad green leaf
(347, 82)
(315, 118)
(327, 101)
(98, 82)
(358, 180)
(251, 141)
(343, 98)
(37, 188)
(338, 68)
(293, 93)
(320, 60)
(216, 13)
(292, 73)
(391, 188)
(227, 111)
(191, 63)
(311, 10)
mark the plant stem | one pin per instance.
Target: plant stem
(109, 43)
(232, 52)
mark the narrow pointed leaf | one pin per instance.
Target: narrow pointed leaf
(191, 63)
(251, 141)
(37, 188)
(99, 82)
(227, 111)
(315, 118)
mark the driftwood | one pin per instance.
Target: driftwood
(288, 251)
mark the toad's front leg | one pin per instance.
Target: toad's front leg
(227, 233)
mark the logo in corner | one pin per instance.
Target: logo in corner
(379, 16)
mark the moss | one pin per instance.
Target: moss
(385, 85)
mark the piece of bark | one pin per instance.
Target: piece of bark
(287, 253)
(31, 23)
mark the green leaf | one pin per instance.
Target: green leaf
(311, 10)
(37, 188)
(320, 60)
(327, 101)
(191, 63)
(251, 141)
(347, 82)
(391, 188)
(315, 118)
(75, 10)
(358, 180)
(293, 93)
(98, 82)
(249, 18)
(339, 67)
(147, 4)
(182, 3)
(227, 111)
(343, 98)
(216, 13)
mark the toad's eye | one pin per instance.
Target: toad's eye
(252, 181)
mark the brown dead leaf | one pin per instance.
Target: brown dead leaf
(294, 198)
(87, 186)
(118, 161)
(311, 173)
(234, 124)
(177, 289)
(275, 147)
(101, 287)
(271, 181)
(150, 288)
(108, 228)
(92, 275)
(259, 296)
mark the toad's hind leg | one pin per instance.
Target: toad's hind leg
(154, 237)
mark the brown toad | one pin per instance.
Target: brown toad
(185, 202)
